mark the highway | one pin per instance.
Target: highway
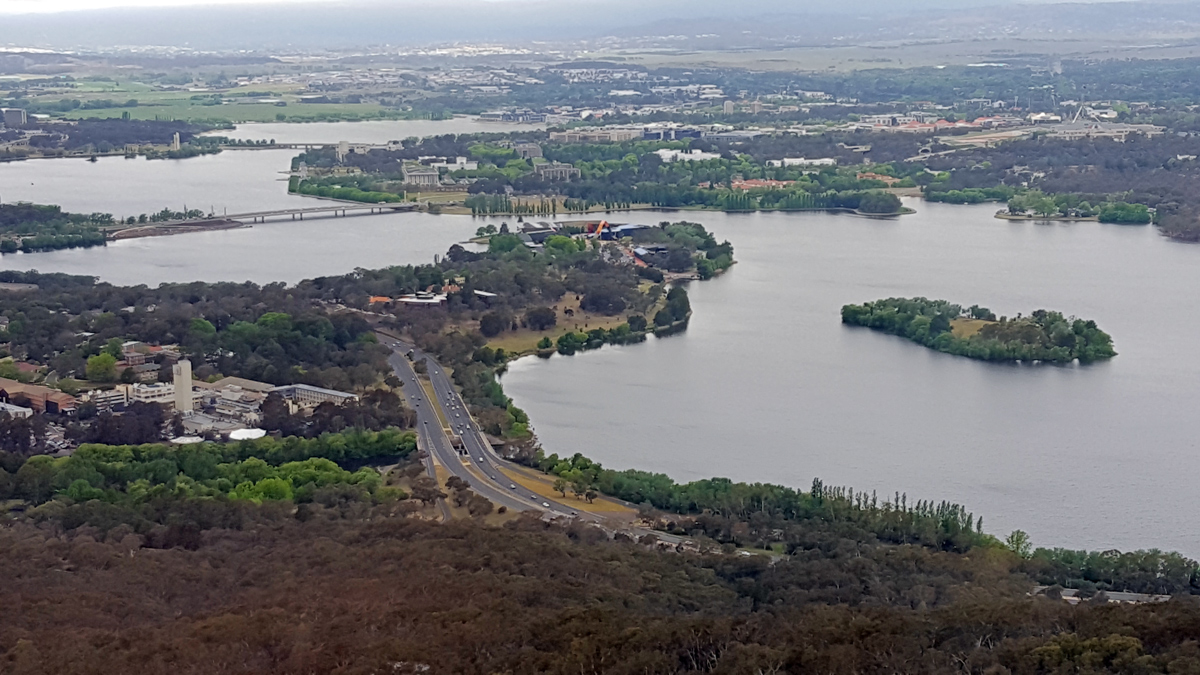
(484, 476)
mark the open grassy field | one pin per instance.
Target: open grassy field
(524, 341)
(965, 328)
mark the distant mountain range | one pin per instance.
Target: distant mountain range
(707, 23)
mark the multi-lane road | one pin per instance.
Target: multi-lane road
(477, 464)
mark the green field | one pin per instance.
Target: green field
(190, 106)
(188, 111)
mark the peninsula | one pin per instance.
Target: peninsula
(975, 332)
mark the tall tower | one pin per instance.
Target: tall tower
(175, 141)
(182, 371)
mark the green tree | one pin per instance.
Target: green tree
(1018, 542)
(113, 347)
(101, 368)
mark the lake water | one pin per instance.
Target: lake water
(767, 384)
(376, 132)
(232, 182)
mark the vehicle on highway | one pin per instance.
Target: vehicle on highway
(512, 487)
(546, 504)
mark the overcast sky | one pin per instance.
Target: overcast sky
(25, 6)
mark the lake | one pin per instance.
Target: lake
(767, 384)
(233, 182)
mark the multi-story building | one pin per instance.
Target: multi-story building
(601, 135)
(419, 175)
(307, 396)
(15, 411)
(556, 171)
(14, 117)
(41, 399)
(528, 150)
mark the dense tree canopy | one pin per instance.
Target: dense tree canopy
(940, 325)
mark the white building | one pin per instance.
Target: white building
(15, 411)
(182, 372)
(800, 161)
(686, 155)
(307, 396)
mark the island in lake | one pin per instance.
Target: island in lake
(975, 332)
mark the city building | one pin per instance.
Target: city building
(182, 374)
(108, 399)
(727, 108)
(419, 175)
(14, 117)
(1045, 118)
(527, 150)
(759, 183)
(686, 155)
(40, 399)
(669, 133)
(1119, 132)
(159, 392)
(307, 396)
(731, 136)
(423, 299)
(598, 135)
(801, 161)
(556, 171)
(15, 411)
(889, 180)
(459, 164)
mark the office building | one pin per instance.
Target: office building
(182, 371)
(14, 117)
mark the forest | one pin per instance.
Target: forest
(975, 332)
(1118, 182)
(338, 579)
(31, 227)
(223, 328)
(620, 174)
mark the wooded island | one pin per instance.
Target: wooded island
(975, 332)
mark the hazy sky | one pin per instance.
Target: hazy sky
(24, 6)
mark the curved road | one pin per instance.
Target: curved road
(484, 474)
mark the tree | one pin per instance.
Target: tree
(560, 486)
(114, 347)
(68, 385)
(545, 343)
(590, 495)
(1018, 542)
(541, 318)
(492, 324)
(101, 368)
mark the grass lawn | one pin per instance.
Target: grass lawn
(440, 197)
(965, 328)
(524, 340)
